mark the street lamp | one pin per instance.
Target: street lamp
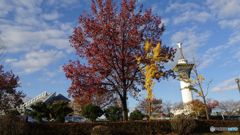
(237, 81)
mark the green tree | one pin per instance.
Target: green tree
(113, 113)
(92, 112)
(60, 110)
(40, 110)
(170, 115)
(14, 112)
(136, 115)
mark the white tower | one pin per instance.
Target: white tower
(184, 68)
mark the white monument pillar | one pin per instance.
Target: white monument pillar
(184, 68)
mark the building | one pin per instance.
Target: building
(183, 69)
(43, 97)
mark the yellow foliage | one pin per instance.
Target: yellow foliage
(147, 46)
(199, 80)
(150, 71)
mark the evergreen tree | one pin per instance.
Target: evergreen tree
(59, 110)
(92, 112)
(113, 113)
(136, 115)
(40, 110)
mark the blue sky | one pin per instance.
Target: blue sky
(36, 33)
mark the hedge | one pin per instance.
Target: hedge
(122, 128)
(9, 124)
(116, 128)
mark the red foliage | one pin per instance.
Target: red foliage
(9, 96)
(211, 104)
(156, 106)
(100, 99)
(109, 40)
(198, 105)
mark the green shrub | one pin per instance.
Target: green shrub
(136, 115)
(92, 112)
(14, 112)
(40, 110)
(59, 111)
(170, 115)
(113, 113)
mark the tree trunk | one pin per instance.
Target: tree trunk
(206, 108)
(124, 105)
(149, 109)
(125, 112)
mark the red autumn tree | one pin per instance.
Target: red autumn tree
(110, 40)
(198, 106)
(100, 99)
(211, 104)
(156, 106)
(9, 96)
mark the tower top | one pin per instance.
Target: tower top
(181, 60)
(179, 44)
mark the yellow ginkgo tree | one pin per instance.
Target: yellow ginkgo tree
(154, 55)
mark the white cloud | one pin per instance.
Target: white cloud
(227, 63)
(215, 52)
(154, 7)
(58, 43)
(26, 39)
(10, 60)
(182, 7)
(52, 16)
(237, 55)
(225, 86)
(224, 8)
(26, 99)
(36, 61)
(50, 74)
(188, 12)
(43, 79)
(141, 1)
(60, 69)
(191, 41)
(165, 21)
(230, 23)
(27, 12)
(206, 62)
(53, 82)
(192, 16)
(189, 37)
(29, 31)
(5, 8)
(66, 3)
(234, 39)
